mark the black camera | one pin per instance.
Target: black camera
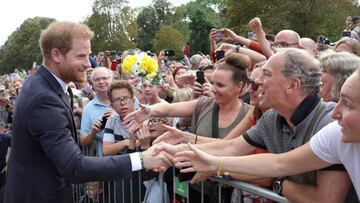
(346, 33)
(354, 19)
(169, 52)
(323, 40)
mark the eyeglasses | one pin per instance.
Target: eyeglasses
(284, 44)
(156, 121)
(254, 86)
(101, 78)
(119, 100)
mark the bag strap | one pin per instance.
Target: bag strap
(215, 121)
(315, 119)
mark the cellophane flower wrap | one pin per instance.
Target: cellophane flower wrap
(142, 65)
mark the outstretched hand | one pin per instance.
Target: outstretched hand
(168, 148)
(196, 160)
(140, 115)
(230, 35)
(158, 162)
(172, 136)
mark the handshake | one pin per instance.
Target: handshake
(161, 156)
(157, 159)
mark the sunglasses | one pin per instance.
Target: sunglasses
(253, 85)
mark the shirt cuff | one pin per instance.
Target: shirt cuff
(135, 161)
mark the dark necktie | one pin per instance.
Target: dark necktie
(70, 97)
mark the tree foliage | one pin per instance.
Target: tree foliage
(114, 24)
(160, 25)
(169, 38)
(307, 17)
(201, 19)
(149, 21)
(22, 48)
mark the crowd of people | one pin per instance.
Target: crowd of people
(223, 114)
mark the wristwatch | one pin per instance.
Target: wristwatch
(277, 186)
(237, 48)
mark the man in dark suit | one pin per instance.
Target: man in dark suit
(45, 157)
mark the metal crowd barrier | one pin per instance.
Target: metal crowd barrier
(114, 191)
(250, 188)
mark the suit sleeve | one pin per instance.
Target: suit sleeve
(49, 124)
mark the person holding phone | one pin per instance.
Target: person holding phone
(92, 122)
(349, 32)
(211, 116)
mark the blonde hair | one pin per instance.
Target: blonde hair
(183, 94)
(352, 43)
(340, 65)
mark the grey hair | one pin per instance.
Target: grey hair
(298, 63)
(99, 69)
(195, 59)
(351, 42)
(341, 65)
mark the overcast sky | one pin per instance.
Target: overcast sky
(14, 12)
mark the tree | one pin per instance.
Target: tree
(309, 18)
(180, 22)
(22, 48)
(201, 19)
(169, 38)
(149, 21)
(114, 24)
(147, 28)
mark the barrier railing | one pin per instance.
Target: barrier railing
(250, 188)
(122, 191)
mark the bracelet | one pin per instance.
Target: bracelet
(226, 175)
(141, 159)
(219, 167)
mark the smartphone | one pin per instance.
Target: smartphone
(220, 34)
(103, 121)
(184, 176)
(250, 35)
(220, 55)
(169, 52)
(200, 77)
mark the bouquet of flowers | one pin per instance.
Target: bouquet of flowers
(143, 66)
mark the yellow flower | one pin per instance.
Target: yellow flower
(149, 66)
(129, 63)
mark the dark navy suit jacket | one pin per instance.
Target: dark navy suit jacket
(45, 158)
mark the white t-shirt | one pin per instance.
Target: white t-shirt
(328, 146)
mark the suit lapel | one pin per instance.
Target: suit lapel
(56, 87)
(54, 84)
